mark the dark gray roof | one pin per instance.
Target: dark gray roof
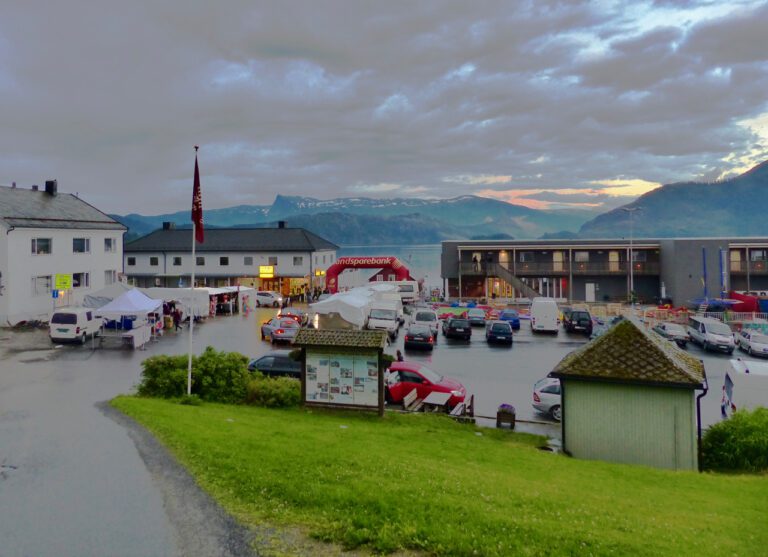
(338, 338)
(26, 208)
(628, 354)
(231, 239)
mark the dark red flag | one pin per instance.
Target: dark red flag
(197, 206)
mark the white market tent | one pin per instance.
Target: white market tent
(196, 302)
(131, 302)
(354, 305)
(102, 297)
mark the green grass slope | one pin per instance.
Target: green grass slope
(422, 482)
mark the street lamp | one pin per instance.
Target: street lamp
(631, 211)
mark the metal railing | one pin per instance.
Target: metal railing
(755, 267)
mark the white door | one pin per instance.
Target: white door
(589, 295)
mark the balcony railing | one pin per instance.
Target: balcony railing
(755, 267)
(557, 268)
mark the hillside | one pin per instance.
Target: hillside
(375, 221)
(735, 207)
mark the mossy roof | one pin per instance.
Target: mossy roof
(626, 353)
(346, 338)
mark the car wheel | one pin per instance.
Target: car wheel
(749, 350)
(705, 346)
(275, 304)
(82, 339)
(731, 351)
(555, 412)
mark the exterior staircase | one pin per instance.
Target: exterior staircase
(495, 269)
(703, 306)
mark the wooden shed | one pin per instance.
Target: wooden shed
(630, 396)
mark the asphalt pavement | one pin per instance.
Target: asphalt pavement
(76, 479)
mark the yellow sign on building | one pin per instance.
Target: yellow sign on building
(63, 282)
(266, 271)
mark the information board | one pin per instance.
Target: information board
(63, 282)
(344, 379)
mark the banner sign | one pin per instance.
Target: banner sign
(63, 282)
(266, 271)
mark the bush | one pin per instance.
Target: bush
(273, 392)
(216, 376)
(738, 444)
(190, 400)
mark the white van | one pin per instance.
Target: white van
(384, 317)
(73, 325)
(544, 315)
(409, 291)
(745, 386)
(711, 334)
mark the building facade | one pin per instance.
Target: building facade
(600, 270)
(287, 260)
(44, 233)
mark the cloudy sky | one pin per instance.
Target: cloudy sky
(547, 104)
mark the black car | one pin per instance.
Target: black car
(578, 321)
(498, 332)
(457, 328)
(419, 336)
(276, 364)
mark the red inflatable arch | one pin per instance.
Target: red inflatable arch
(332, 274)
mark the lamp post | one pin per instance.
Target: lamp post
(631, 211)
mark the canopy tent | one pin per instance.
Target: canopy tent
(131, 302)
(194, 301)
(102, 297)
(352, 306)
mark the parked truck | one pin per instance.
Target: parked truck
(745, 386)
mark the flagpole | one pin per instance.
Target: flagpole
(191, 313)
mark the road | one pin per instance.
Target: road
(75, 480)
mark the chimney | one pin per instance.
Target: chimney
(51, 187)
(169, 226)
(34, 188)
(281, 224)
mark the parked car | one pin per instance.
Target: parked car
(546, 397)
(511, 316)
(277, 363)
(419, 336)
(544, 315)
(299, 315)
(73, 324)
(280, 329)
(753, 343)
(476, 317)
(269, 299)
(457, 327)
(673, 332)
(578, 321)
(405, 376)
(498, 332)
(711, 334)
(427, 317)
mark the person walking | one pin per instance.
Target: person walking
(399, 356)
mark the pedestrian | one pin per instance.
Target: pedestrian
(475, 263)
(176, 319)
(399, 356)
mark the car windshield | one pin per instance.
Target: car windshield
(508, 314)
(459, 323)
(288, 324)
(579, 315)
(674, 329)
(420, 330)
(426, 316)
(405, 288)
(476, 313)
(64, 318)
(388, 314)
(430, 375)
(500, 328)
(760, 339)
(719, 329)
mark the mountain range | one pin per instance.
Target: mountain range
(735, 207)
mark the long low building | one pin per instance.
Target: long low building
(682, 269)
(282, 259)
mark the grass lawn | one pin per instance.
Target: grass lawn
(426, 483)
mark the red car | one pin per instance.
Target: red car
(406, 376)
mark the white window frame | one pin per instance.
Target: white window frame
(157, 260)
(248, 261)
(298, 260)
(110, 277)
(112, 248)
(130, 261)
(36, 246)
(86, 242)
(42, 285)
(87, 281)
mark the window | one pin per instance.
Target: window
(639, 255)
(81, 280)
(581, 256)
(41, 285)
(109, 245)
(42, 246)
(81, 245)
(248, 260)
(273, 260)
(323, 259)
(298, 261)
(223, 261)
(526, 256)
(131, 261)
(110, 277)
(154, 261)
(200, 261)
(754, 255)
(177, 261)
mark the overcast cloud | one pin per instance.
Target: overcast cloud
(537, 102)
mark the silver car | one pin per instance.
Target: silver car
(280, 329)
(753, 343)
(268, 299)
(546, 397)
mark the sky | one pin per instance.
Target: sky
(580, 105)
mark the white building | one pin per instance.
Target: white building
(295, 258)
(44, 233)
